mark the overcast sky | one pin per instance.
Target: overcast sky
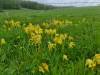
(69, 2)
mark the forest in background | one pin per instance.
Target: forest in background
(18, 4)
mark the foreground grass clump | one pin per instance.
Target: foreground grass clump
(51, 47)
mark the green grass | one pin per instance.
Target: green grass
(21, 61)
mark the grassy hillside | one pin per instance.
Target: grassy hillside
(73, 35)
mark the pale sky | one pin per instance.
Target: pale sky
(69, 2)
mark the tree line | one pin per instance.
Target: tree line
(18, 4)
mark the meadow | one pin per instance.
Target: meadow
(63, 41)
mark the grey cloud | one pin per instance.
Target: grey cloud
(69, 2)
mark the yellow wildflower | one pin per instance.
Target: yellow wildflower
(97, 59)
(90, 63)
(44, 68)
(33, 29)
(50, 31)
(51, 45)
(58, 40)
(36, 38)
(65, 57)
(72, 44)
(2, 41)
(63, 36)
(38, 30)
(12, 24)
(29, 29)
(41, 69)
(58, 22)
(17, 24)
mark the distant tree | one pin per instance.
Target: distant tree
(98, 5)
(34, 5)
(17, 4)
(10, 4)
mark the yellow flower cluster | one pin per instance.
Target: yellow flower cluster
(34, 31)
(58, 22)
(61, 22)
(59, 38)
(36, 38)
(12, 24)
(50, 31)
(44, 68)
(72, 44)
(30, 29)
(51, 46)
(91, 63)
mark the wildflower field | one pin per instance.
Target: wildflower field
(50, 42)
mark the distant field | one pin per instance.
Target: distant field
(73, 38)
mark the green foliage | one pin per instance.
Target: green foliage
(11, 4)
